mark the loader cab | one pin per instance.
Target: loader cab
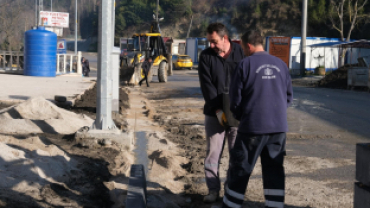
(150, 45)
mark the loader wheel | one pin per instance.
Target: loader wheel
(162, 72)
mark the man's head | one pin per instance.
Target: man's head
(217, 37)
(252, 42)
(150, 59)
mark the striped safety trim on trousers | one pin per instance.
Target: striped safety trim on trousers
(274, 192)
(231, 204)
(274, 204)
(234, 194)
(211, 165)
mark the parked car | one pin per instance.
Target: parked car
(182, 62)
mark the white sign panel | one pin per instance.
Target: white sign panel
(54, 19)
(56, 30)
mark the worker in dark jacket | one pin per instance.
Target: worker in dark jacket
(215, 65)
(85, 67)
(260, 92)
(146, 68)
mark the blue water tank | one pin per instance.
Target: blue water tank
(40, 53)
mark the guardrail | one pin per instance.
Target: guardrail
(11, 62)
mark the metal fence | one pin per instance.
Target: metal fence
(69, 63)
(11, 62)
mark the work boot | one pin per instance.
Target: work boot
(211, 197)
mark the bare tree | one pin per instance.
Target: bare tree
(13, 23)
(344, 13)
(341, 11)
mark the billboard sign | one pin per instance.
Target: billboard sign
(280, 47)
(54, 19)
(61, 46)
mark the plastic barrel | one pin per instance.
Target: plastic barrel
(40, 53)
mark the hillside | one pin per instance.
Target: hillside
(272, 17)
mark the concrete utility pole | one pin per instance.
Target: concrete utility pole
(303, 38)
(51, 5)
(76, 30)
(191, 22)
(113, 21)
(41, 5)
(104, 83)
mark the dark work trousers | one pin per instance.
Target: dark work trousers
(85, 71)
(216, 136)
(145, 78)
(243, 157)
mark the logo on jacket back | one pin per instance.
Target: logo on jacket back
(268, 71)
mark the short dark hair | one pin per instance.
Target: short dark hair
(252, 37)
(219, 28)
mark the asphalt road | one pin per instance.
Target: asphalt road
(330, 110)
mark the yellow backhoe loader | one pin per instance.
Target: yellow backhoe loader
(141, 47)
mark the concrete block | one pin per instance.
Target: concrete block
(363, 163)
(136, 194)
(362, 196)
(90, 137)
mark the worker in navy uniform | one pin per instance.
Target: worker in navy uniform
(146, 68)
(260, 92)
(85, 67)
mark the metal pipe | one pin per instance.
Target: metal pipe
(303, 38)
(36, 13)
(157, 11)
(76, 29)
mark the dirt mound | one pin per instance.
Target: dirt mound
(88, 99)
(167, 166)
(337, 79)
(38, 115)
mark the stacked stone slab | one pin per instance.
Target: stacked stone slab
(362, 187)
(136, 194)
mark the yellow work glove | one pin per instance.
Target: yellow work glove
(221, 118)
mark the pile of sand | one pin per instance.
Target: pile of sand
(28, 161)
(38, 115)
